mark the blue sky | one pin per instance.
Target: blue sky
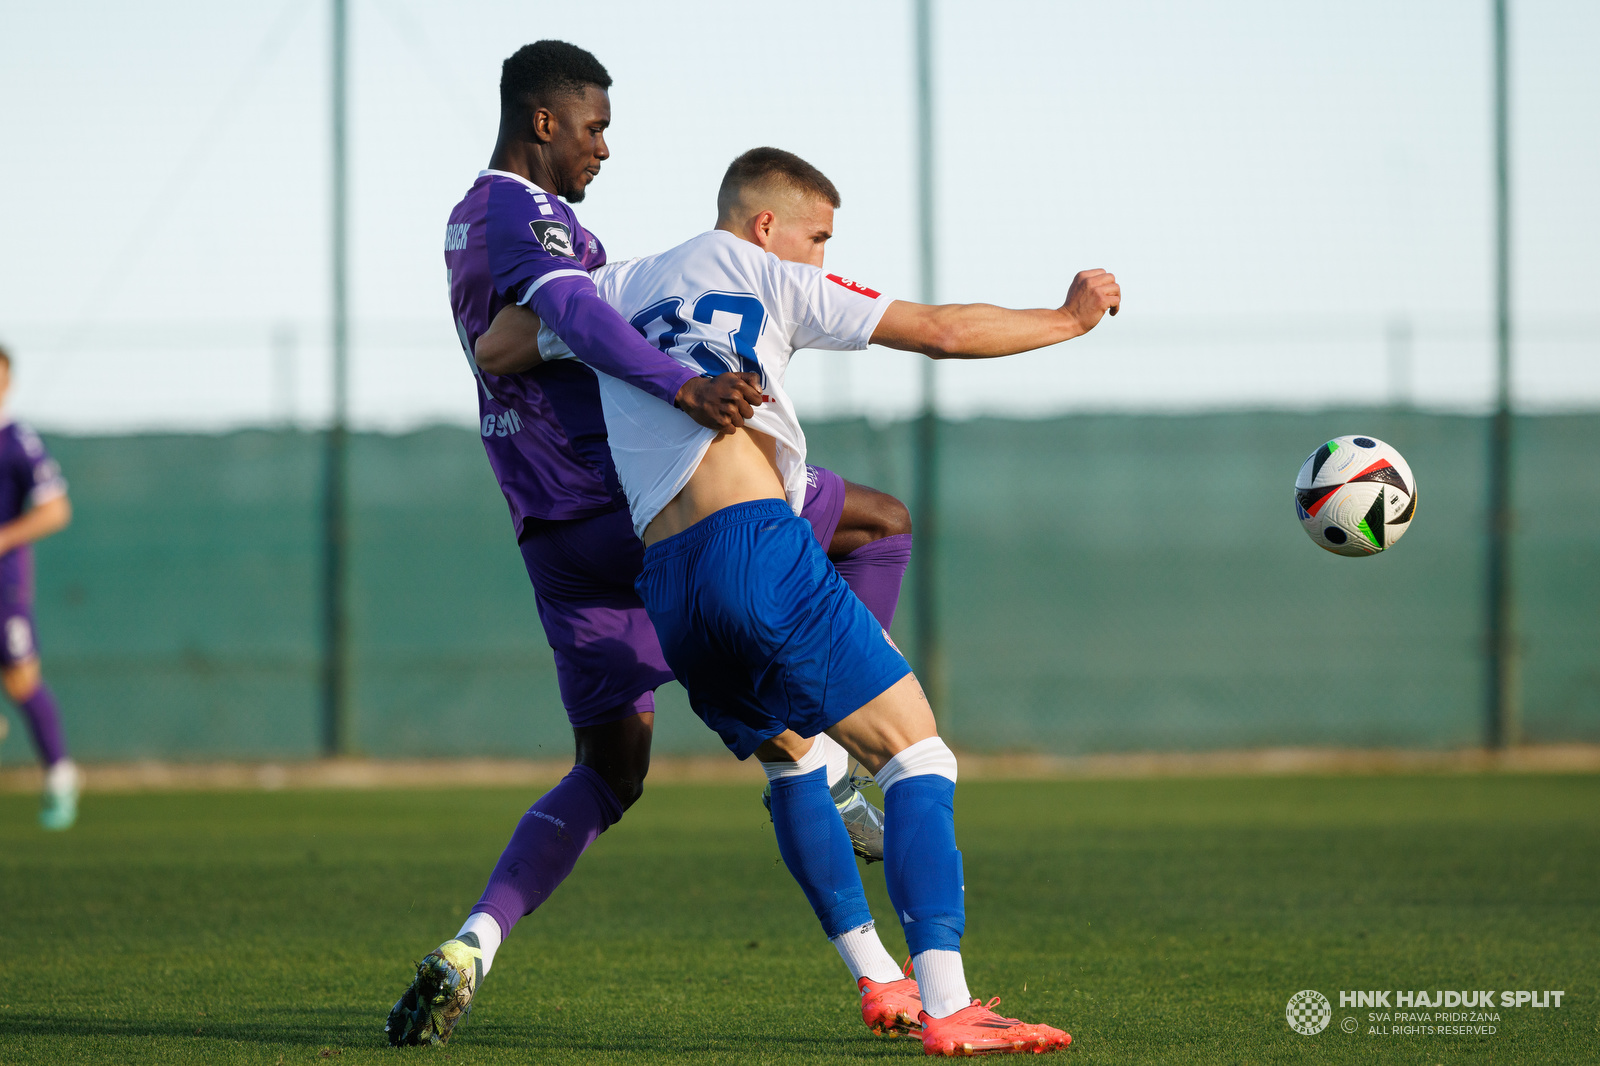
(1287, 191)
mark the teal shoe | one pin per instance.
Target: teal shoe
(59, 809)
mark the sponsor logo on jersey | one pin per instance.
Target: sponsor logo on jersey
(500, 425)
(871, 294)
(554, 237)
(455, 236)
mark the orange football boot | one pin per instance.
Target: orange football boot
(978, 1030)
(890, 1007)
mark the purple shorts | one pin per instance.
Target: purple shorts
(16, 608)
(824, 504)
(16, 634)
(608, 660)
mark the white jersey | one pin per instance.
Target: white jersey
(718, 303)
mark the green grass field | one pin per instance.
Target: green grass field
(1162, 921)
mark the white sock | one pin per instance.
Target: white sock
(865, 954)
(62, 777)
(838, 759)
(929, 756)
(811, 761)
(489, 935)
(942, 982)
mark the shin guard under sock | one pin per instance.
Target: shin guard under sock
(921, 863)
(816, 849)
(546, 845)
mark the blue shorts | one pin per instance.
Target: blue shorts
(583, 570)
(759, 627)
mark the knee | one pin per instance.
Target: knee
(893, 517)
(620, 753)
(625, 777)
(21, 680)
(870, 515)
(627, 790)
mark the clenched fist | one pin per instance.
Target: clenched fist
(1093, 293)
(721, 403)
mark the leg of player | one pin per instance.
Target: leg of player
(867, 535)
(608, 664)
(608, 776)
(862, 821)
(817, 850)
(894, 736)
(766, 647)
(871, 548)
(26, 688)
(612, 759)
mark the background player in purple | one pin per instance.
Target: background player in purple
(511, 241)
(33, 505)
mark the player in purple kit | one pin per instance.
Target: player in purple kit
(512, 241)
(33, 505)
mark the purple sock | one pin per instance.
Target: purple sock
(874, 572)
(546, 845)
(44, 722)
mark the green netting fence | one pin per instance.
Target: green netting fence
(1110, 583)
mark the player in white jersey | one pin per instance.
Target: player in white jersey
(746, 310)
(771, 645)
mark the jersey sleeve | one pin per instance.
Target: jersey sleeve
(534, 262)
(829, 311)
(551, 346)
(43, 480)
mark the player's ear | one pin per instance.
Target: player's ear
(762, 224)
(542, 123)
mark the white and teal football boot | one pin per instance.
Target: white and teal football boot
(58, 809)
(862, 820)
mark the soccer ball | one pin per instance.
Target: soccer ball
(1355, 496)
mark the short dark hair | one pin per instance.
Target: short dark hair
(762, 165)
(536, 72)
(5, 357)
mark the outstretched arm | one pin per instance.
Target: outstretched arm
(981, 331)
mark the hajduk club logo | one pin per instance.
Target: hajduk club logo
(1309, 1012)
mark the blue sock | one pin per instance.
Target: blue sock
(921, 863)
(816, 847)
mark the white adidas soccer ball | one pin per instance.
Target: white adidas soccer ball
(1355, 496)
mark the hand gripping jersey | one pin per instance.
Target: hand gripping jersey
(717, 303)
(509, 241)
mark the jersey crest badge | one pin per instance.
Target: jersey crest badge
(871, 294)
(554, 237)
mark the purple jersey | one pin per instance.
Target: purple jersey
(28, 476)
(508, 241)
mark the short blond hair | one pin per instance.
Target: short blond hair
(771, 167)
